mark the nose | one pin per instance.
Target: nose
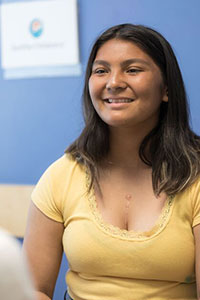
(115, 82)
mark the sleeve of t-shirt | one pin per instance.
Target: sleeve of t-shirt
(196, 203)
(46, 194)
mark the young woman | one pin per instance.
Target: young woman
(124, 200)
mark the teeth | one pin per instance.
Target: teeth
(119, 100)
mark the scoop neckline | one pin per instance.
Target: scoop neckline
(124, 234)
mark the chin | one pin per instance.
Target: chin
(117, 123)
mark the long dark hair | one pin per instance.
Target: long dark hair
(174, 149)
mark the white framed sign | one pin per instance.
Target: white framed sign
(40, 38)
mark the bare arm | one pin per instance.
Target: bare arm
(197, 250)
(43, 247)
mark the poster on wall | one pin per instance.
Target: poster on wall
(39, 39)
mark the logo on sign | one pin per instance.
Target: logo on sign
(36, 28)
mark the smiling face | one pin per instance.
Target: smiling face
(126, 86)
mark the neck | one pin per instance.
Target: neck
(124, 147)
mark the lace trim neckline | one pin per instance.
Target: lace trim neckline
(129, 234)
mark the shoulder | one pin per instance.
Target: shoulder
(189, 197)
(65, 162)
(63, 168)
(60, 175)
(192, 197)
(194, 189)
(58, 185)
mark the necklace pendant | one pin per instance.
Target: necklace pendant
(128, 197)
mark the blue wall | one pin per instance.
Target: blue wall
(40, 117)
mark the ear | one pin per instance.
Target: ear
(165, 95)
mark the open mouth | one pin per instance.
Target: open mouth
(125, 100)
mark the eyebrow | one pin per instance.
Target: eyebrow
(123, 64)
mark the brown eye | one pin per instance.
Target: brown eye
(134, 70)
(99, 71)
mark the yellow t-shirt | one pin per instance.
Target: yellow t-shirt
(107, 263)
